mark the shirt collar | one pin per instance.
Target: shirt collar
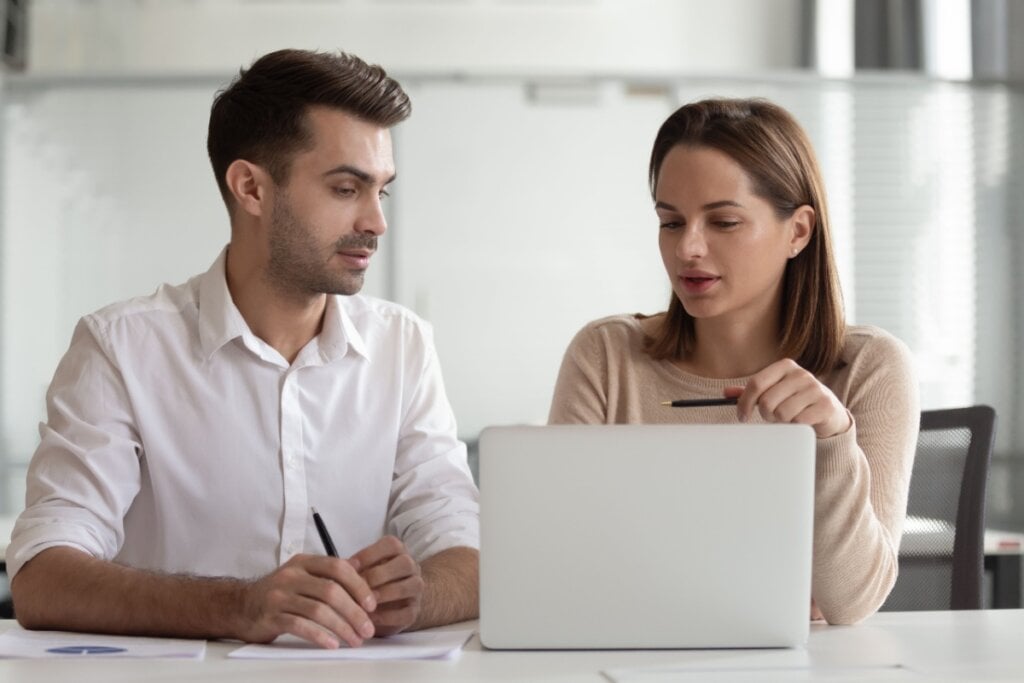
(339, 332)
(219, 319)
(221, 322)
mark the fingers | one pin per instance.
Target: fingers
(317, 622)
(381, 551)
(787, 393)
(396, 581)
(321, 599)
(395, 617)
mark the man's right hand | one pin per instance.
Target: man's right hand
(320, 599)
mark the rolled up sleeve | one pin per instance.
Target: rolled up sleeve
(86, 471)
(434, 504)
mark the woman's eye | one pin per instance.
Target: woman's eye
(384, 193)
(726, 224)
(670, 225)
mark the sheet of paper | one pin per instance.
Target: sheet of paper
(417, 645)
(18, 642)
(834, 674)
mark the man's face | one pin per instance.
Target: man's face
(327, 216)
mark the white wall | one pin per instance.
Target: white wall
(419, 36)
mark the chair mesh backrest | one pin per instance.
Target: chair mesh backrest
(942, 550)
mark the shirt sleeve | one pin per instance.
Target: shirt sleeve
(434, 504)
(862, 484)
(85, 473)
(580, 396)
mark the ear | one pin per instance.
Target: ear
(802, 224)
(249, 184)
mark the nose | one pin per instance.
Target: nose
(372, 219)
(691, 243)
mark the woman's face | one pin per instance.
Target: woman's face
(724, 248)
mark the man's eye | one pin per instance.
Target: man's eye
(670, 225)
(344, 191)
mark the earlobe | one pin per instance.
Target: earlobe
(803, 222)
(247, 183)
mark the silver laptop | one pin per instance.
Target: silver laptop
(646, 536)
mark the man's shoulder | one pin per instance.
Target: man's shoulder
(174, 300)
(370, 313)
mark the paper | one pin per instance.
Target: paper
(19, 642)
(418, 645)
(834, 674)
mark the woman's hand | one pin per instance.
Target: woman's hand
(785, 392)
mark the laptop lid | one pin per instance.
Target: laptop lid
(646, 536)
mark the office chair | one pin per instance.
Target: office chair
(942, 554)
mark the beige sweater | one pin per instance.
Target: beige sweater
(862, 475)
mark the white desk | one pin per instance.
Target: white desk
(960, 646)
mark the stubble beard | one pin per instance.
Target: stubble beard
(299, 266)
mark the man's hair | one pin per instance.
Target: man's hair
(773, 150)
(261, 116)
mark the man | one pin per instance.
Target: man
(189, 433)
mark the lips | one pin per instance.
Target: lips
(356, 258)
(698, 282)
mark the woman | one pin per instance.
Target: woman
(756, 313)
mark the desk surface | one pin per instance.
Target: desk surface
(976, 646)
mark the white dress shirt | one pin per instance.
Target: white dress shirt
(178, 441)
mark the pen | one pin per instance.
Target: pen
(325, 537)
(701, 402)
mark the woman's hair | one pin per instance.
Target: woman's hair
(261, 116)
(774, 151)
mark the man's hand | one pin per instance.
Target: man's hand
(397, 584)
(320, 599)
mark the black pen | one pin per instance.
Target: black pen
(702, 402)
(325, 537)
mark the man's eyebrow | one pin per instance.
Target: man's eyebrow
(362, 175)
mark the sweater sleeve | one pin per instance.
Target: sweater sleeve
(862, 482)
(580, 395)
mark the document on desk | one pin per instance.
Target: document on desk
(417, 645)
(835, 674)
(21, 643)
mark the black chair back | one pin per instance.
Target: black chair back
(942, 553)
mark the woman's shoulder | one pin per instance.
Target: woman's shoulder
(870, 343)
(871, 356)
(623, 328)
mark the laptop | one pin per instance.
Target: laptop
(646, 536)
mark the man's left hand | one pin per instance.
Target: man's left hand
(396, 581)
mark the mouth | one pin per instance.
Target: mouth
(698, 283)
(356, 258)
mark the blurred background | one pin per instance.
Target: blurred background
(521, 209)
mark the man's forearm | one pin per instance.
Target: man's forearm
(451, 589)
(63, 588)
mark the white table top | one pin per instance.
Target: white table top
(975, 646)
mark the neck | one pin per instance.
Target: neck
(734, 348)
(285, 320)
